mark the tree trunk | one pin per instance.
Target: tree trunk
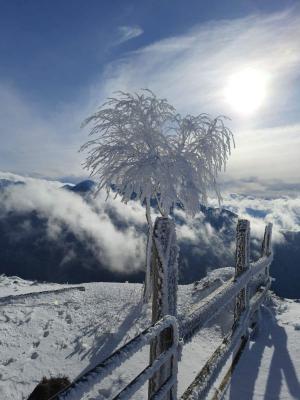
(148, 274)
(165, 277)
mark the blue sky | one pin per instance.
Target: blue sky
(60, 59)
(53, 49)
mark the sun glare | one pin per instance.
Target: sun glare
(246, 90)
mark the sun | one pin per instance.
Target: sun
(246, 90)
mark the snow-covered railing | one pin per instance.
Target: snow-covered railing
(84, 384)
(237, 289)
(214, 303)
(17, 298)
(234, 340)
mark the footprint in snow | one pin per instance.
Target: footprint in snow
(7, 362)
(36, 344)
(46, 329)
(34, 355)
(7, 319)
(68, 319)
(26, 317)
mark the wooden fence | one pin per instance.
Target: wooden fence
(168, 323)
(247, 290)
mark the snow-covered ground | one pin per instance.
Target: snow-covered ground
(68, 332)
(269, 367)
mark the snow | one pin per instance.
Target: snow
(269, 367)
(13, 285)
(69, 332)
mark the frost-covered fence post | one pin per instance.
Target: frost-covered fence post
(266, 247)
(165, 276)
(242, 260)
(266, 243)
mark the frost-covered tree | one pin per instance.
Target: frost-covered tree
(201, 148)
(141, 147)
(131, 152)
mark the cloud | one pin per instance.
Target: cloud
(191, 71)
(258, 187)
(115, 232)
(282, 211)
(199, 232)
(268, 153)
(28, 179)
(121, 250)
(128, 32)
(112, 230)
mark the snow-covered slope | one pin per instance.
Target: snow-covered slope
(69, 331)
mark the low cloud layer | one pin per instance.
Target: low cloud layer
(283, 212)
(122, 246)
(122, 250)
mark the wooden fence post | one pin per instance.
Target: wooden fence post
(242, 260)
(165, 277)
(266, 243)
(266, 247)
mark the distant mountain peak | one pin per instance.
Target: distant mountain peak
(82, 187)
(4, 183)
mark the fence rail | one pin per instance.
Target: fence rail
(205, 378)
(247, 289)
(236, 289)
(214, 303)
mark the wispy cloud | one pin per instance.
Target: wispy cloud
(191, 71)
(128, 32)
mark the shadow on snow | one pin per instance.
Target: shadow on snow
(270, 335)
